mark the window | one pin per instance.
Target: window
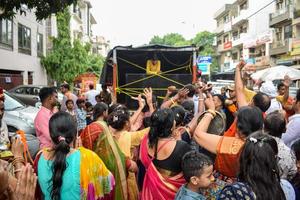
(19, 90)
(6, 32)
(226, 18)
(40, 44)
(24, 39)
(226, 38)
(234, 56)
(288, 32)
(278, 33)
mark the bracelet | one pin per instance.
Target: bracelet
(212, 112)
(200, 99)
(18, 160)
(209, 114)
(17, 170)
(172, 100)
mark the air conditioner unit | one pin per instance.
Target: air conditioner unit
(228, 54)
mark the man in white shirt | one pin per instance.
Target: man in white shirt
(91, 95)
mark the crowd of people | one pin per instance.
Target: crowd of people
(197, 144)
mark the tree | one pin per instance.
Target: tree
(66, 61)
(203, 39)
(171, 39)
(42, 8)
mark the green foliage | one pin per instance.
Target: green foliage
(203, 39)
(66, 61)
(171, 39)
(43, 8)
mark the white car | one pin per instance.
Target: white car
(18, 116)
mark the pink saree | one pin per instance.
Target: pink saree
(156, 186)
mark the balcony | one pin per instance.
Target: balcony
(227, 27)
(281, 16)
(219, 29)
(241, 18)
(280, 47)
(238, 40)
(262, 61)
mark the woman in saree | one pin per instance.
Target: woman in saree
(249, 120)
(161, 155)
(97, 137)
(68, 173)
(119, 121)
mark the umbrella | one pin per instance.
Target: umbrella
(276, 73)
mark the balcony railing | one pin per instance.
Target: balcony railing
(281, 15)
(219, 29)
(244, 14)
(239, 39)
(281, 47)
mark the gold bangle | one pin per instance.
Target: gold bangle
(209, 114)
(172, 100)
(201, 99)
(212, 112)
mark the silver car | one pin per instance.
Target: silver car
(18, 116)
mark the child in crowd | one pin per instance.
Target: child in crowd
(70, 108)
(89, 113)
(198, 172)
(80, 115)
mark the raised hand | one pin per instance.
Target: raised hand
(148, 95)
(287, 81)
(17, 147)
(209, 102)
(141, 101)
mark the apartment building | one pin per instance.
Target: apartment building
(100, 46)
(285, 20)
(242, 32)
(81, 23)
(22, 43)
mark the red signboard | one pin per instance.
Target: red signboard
(227, 45)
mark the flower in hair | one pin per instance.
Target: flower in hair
(61, 138)
(115, 118)
(252, 139)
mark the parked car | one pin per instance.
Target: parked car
(29, 94)
(18, 116)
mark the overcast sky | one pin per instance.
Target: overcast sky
(135, 22)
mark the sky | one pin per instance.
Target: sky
(135, 22)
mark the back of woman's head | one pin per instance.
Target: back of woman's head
(62, 132)
(179, 114)
(162, 122)
(296, 149)
(99, 110)
(275, 124)
(258, 166)
(118, 119)
(249, 120)
(116, 106)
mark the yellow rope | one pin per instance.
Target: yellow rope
(153, 75)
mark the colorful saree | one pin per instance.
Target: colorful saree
(98, 138)
(90, 179)
(227, 160)
(157, 186)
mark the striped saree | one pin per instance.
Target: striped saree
(98, 138)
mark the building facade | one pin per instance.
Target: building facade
(285, 20)
(22, 43)
(100, 46)
(242, 32)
